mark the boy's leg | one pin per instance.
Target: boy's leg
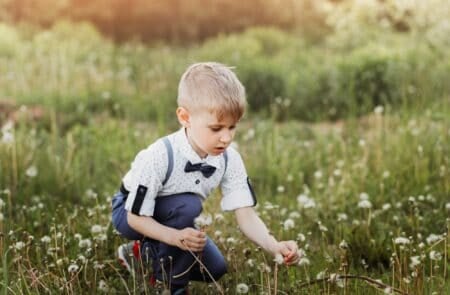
(171, 265)
(213, 260)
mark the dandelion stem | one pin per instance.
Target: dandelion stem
(358, 277)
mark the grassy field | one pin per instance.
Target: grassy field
(365, 195)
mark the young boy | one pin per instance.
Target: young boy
(162, 193)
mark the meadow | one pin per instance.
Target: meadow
(347, 147)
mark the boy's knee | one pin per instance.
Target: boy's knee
(219, 269)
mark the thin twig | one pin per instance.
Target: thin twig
(219, 288)
(358, 277)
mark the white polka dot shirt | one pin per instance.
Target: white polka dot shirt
(150, 166)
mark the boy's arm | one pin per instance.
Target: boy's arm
(253, 227)
(187, 238)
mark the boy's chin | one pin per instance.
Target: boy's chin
(216, 152)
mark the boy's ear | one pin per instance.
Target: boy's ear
(183, 116)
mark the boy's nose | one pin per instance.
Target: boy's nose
(226, 137)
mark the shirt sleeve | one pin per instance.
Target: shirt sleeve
(237, 191)
(144, 180)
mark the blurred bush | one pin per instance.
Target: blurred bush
(72, 68)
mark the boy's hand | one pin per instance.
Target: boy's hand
(190, 239)
(289, 251)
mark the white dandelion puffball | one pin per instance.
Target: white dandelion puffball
(279, 258)
(241, 288)
(401, 241)
(73, 268)
(288, 224)
(31, 171)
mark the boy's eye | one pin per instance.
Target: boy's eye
(215, 129)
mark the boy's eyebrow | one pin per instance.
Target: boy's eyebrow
(220, 125)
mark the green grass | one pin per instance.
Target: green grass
(99, 104)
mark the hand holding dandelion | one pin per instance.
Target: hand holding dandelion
(289, 252)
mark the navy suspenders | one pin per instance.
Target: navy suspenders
(142, 190)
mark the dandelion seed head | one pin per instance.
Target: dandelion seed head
(96, 229)
(342, 217)
(432, 238)
(363, 196)
(305, 201)
(203, 220)
(19, 245)
(241, 288)
(103, 286)
(343, 244)
(294, 214)
(288, 224)
(280, 189)
(415, 261)
(301, 237)
(73, 268)
(31, 172)
(46, 239)
(304, 261)
(401, 241)
(365, 204)
(279, 259)
(378, 110)
(435, 255)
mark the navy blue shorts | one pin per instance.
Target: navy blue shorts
(176, 211)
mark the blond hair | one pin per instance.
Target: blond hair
(214, 87)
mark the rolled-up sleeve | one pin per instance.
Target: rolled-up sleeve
(144, 180)
(237, 191)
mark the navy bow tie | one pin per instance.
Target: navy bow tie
(206, 170)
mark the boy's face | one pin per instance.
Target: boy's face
(206, 133)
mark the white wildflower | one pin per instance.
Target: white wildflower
(250, 262)
(19, 245)
(231, 240)
(378, 110)
(304, 261)
(301, 237)
(279, 258)
(73, 268)
(386, 174)
(102, 286)
(217, 233)
(320, 275)
(241, 288)
(343, 244)
(401, 241)
(366, 204)
(322, 227)
(85, 243)
(288, 224)
(362, 143)
(280, 189)
(219, 217)
(386, 206)
(203, 220)
(305, 201)
(31, 171)
(318, 174)
(415, 261)
(294, 214)
(435, 255)
(433, 238)
(342, 217)
(387, 290)
(46, 239)
(363, 196)
(447, 206)
(96, 229)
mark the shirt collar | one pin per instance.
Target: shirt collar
(185, 148)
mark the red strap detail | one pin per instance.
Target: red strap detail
(137, 249)
(152, 281)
